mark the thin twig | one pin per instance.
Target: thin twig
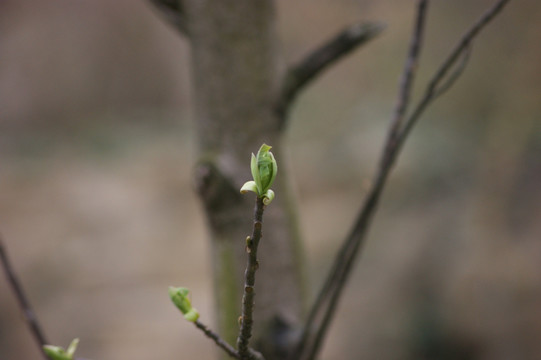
(323, 309)
(325, 305)
(310, 67)
(24, 304)
(408, 75)
(218, 340)
(442, 89)
(310, 339)
(252, 244)
(173, 11)
(433, 89)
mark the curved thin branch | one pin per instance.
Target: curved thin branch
(323, 310)
(29, 314)
(301, 74)
(437, 86)
(173, 11)
(455, 75)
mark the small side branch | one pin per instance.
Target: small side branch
(224, 345)
(252, 244)
(310, 67)
(230, 350)
(173, 11)
(24, 304)
(323, 310)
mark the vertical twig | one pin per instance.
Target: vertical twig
(252, 244)
(408, 76)
(24, 304)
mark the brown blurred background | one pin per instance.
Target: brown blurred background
(99, 216)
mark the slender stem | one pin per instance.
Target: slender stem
(252, 244)
(435, 86)
(451, 79)
(24, 304)
(218, 340)
(408, 76)
(323, 308)
(322, 312)
(298, 76)
(348, 255)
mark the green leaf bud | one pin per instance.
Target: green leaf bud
(267, 167)
(264, 169)
(179, 297)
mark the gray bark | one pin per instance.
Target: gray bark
(234, 62)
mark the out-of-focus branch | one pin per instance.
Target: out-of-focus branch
(323, 310)
(173, 11)
(408, 75)
(321, 313)
(441, 81)
(301, 74)
(24, 304)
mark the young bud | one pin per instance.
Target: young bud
(267, 167)
(179, 297)
(264, 169)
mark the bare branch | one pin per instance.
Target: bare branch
(310, 67)
(246, 319)
(24, 304)
(173, 11)
(325, 305)
(434, 88)
(408, 73)
(230, 350)
(323, 309)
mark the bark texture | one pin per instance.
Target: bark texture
(235, 79)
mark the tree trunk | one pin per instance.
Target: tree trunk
(235, 75)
